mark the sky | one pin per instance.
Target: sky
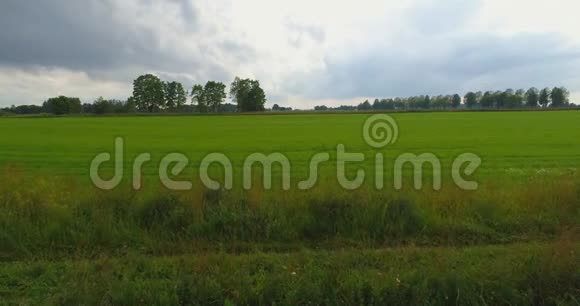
(304, 53)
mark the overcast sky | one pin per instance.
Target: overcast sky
(304, 52)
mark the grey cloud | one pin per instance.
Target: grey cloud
(433, 56)
(90, 36)
(188, 12)
(488, 53)
(72, 34)
(442, 16)
(243, 52)
(446, 66)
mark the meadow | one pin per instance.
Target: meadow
(504, 140)
(514, 240)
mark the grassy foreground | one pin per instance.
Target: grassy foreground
(540, 274)
(514, 244)
(57, 219)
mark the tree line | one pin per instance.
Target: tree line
(558, 97)
(151, 94)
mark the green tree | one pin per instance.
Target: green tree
(198, 97)
(470, 99)
(62, 105)
(130, 105)
(488, 100)
(148, 93)
(532, 97)
(366, 105)
(23, 109)
(215, 94)
(544, 98)
(102, 106)
(443, 102)
(426, 103)
(248, 94)
(513, 99)
(501, 98)
(560, 97)
(456, 101)
(210, 97)
(175, 95)
(478, 96)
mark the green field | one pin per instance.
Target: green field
(514, 240)
(504, 140)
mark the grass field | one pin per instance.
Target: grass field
(514, 240)
(505, 140)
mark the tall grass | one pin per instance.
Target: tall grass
(43, 217)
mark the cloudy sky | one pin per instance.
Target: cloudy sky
(304, 52)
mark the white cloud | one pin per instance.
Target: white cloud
(36, 85)
(530, 16)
